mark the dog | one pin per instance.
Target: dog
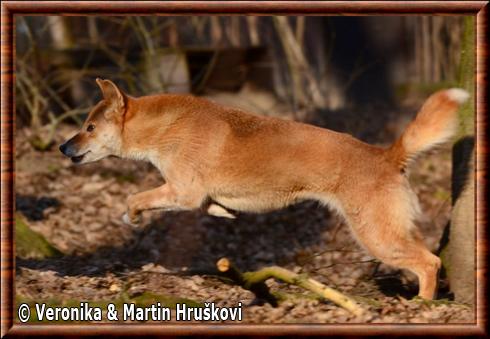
(226, 160)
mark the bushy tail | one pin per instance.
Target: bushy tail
(435, 123)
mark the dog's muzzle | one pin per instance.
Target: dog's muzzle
(69, 149)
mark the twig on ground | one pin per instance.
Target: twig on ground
(253, 279)
(258, 287)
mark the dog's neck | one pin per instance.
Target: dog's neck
(140, 138)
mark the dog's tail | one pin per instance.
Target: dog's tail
(435, 123)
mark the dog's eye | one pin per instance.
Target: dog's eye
(90, 127)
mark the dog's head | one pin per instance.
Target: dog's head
(100, 135)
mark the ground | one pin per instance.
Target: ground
(78, 209)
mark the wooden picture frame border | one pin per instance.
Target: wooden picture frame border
(9, 9)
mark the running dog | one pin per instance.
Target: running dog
(224, 160)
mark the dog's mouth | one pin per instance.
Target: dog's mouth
(77, 159)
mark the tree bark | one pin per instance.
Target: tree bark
(457, 248)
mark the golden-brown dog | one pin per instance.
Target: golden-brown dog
(226, 159)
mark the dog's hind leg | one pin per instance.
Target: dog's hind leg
(389, 234)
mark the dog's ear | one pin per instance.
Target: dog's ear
(115, 98)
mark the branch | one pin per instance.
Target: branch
(259, 288)
(251, 280)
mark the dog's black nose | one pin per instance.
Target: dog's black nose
(69, 148)
(63, 148)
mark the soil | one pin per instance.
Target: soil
(78, 209)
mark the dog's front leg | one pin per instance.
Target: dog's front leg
(164, 197)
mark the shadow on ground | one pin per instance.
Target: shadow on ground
(193, 242)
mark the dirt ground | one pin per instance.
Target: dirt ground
(78, 209)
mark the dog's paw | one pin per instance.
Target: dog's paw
(219, 211)
(127, 221)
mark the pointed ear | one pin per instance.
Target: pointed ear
(114, 97)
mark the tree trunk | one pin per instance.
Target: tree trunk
(458, 246)
(61, 31)
(306, 89)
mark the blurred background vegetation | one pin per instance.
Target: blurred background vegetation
(289, 66)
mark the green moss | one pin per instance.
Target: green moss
(30, 244)
(466, 77)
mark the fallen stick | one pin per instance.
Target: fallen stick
(259, 288)
(255, 281)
